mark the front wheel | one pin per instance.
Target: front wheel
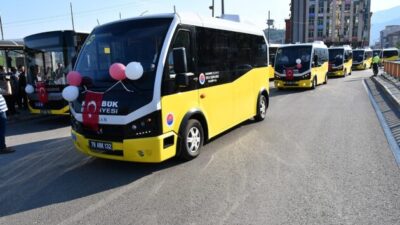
(326, 79)
(262, 106)
(314, 83)
(191, 140)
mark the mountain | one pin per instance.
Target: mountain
(381, 19)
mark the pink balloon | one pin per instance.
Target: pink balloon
(74, 78)
(117, 71)
(299, 66)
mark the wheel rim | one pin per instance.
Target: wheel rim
(193, 140)
(263, 107)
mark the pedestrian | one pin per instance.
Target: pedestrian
(22, 98)
(375, 64)
(3, 120)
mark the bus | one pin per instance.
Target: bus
(340, 61)
(189, 78)
(390, 54)
(272, 53)
(11, 54)
(378, 52)
(301, 65)
(362, 59)
(49, 57)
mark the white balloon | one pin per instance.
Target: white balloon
(70, 93)
(298, 61)
(134, 71)
(29, 89)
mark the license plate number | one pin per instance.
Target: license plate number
(100, 146)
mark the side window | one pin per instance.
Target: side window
(182, 40)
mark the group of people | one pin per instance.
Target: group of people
(15, 80)
(17, 97)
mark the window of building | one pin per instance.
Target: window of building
(347, 7)
(320, 33)
(312, 9)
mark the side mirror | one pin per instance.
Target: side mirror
(180, 62)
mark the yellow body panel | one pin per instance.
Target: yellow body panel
(393, 58)
(63, 111)
(346, 69)
(135, 150)
(299, 84)
(223, 106)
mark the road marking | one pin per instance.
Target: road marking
(389, 136)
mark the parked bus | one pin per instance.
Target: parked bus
(11, 54)
(272, 53)
(362, 59)
(301, 65)
(390, 54)
(201, 76)
(340, 61)
(50, 57)
(378, 52)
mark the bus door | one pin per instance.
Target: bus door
(179, 98)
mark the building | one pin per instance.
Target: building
(335, 22)
(390, 36)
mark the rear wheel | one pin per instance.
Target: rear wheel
(262, 106)
(191, 140)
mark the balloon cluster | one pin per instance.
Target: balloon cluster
(118, 71)
(298, 62)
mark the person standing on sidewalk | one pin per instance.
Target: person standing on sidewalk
(3, 121)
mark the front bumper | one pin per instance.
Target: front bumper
(293, 84)
(63, 111)
(358, 67)
(150, 150)
(339, 73)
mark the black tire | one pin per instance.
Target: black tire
(314, 83)
(262, 106)
(351, 71)
(345, 73)
(191, 140)
(326, 79)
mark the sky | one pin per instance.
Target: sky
(25, 17)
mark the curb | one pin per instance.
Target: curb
(389, 93)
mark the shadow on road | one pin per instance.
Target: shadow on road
(48, 172)
(37, 125)
(275, 92)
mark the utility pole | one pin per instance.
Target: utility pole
(222, 7)
(120, 17)
(270, 23)
(212, 8)
(72, 16)
(1, 29)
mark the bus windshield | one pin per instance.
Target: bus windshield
(358, 55)
(286, 58)
(49, 56)
(390, 53)
(336, 56)
(123, 42)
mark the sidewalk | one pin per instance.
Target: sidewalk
(390, 86)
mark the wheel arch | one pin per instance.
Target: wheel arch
(199, 116)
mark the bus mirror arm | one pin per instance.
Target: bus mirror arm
(182, 80)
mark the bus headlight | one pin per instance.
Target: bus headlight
(149, 125)
(306, 76)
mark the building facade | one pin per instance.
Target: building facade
(390, 36)
(335, 22)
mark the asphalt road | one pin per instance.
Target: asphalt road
(320, 157)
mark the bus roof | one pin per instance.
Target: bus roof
(363, 49)
(11, 44)
(390, 49)
(314, 44)
(203, 21)
(54, 32)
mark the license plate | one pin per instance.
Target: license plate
(45, 111)
(100, 146)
